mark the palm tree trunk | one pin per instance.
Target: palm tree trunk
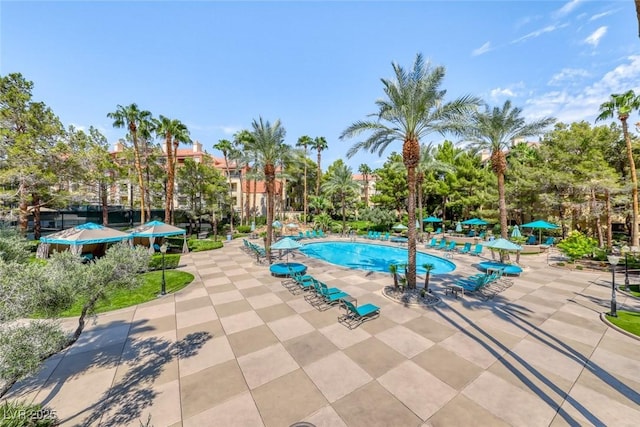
(306, 206)
(634, 183)
(270, 178)
(596, 218)
(169, 170)
(502, 205)
(319, 175)
(607, 208)
(255, 198)
(226, 164)
(242, 217)
(411, 232)
(344, 212)
(37, 227)
(138, 166)
(104, 202)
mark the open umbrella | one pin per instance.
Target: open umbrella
(277, 224)
(399, 227)
(515, 233)
(540, 225)
(431, 219)
(475, 221)
(458, 227)
(286, 244)
(503, 245)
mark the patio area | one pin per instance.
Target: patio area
(235, 348)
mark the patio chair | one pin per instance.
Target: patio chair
(438, 231)
(356, 315)
(326, 297)
(465, 249)
(432, 244)
(549, 242)
(297, 282)
(442, 245)
(300, 235)
(321, 233)
(531, 240)
(481, 235)
(451, 247)
(478, 250)
(472, 233)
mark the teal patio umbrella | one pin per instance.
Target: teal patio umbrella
(475, 221)
(515, 233)
(277, 224)
(503, 245)
(458, 227)
(431, 219)
(287, 244)
(540, 225)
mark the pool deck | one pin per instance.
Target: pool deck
(235, 348)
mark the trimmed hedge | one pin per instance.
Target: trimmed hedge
(170, 261)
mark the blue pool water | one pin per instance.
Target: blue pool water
(371, 257)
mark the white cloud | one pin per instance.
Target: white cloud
(602, 15)
(582, 103)
(482, 49)
(229, 130)
(567, 75)
(541, 31)
(500, 92)
(595, 37)
(567, 8)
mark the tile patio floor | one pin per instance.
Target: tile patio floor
(235, 348)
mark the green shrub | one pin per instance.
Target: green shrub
(634, 288)
(204, 245)
(577, 246)
(170, 261)
(243, 229)
(579, 267)
(22, 414)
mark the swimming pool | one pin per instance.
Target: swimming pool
(371, 257)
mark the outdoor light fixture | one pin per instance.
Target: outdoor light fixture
(163, 250)
(613, 260)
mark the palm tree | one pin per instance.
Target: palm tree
(366, 172)
(242, 158)
(341, 183)
(622, 105)
(305, 141)
(320, 204)
(319, 144)
(171, 130)
(413, 108)
(496, 130)
(130, 117)
(428, 269)
(225, 146)
(268, 145)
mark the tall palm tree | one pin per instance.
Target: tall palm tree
(413, 108)
(130, 117)
(341, 183)
(496, 130)
(305, 141)
(171, 130)
(622, 105)
(319, 144)
(243, 158)
(225, 147)
(268, 145)
(366, 172)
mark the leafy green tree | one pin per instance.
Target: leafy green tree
(340, 183)
(391, 186)
(132, 118)
(623, 105)
(413, 108)
(428, 269)
(173, 132)
(379, 217)
(319, 144)
(320, 204)
(269, 148)
(31, 148)
(495, 129)
(305, 142)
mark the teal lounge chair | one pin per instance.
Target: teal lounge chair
(451, 247)
(438, 231)
(531, 240)
(432, 244)
(300, 235)
(357, 315)
(442, 245)
(465, 249)
(549, 242)
(478, 250)
(321, 233)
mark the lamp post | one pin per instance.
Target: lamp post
(613, 260)
(163, 250)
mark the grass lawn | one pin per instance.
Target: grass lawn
(147, 291)
(627, 320)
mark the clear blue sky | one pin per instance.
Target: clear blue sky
(316, 66)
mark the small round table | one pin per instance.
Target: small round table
(284, 269)
(509, 269)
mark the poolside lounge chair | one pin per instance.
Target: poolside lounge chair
(549, 242)
(298, 283)
(356, 315)
(442, 245)
(321, 233)
(478, 250)
(531, 240)
(465, 249)
(472, 233)
(432, 244)
(481, 235)
(300, 235)
(451, 247)
(325, 297)
(438, 231)
(385, 237)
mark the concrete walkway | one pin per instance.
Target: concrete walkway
(236, 348)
